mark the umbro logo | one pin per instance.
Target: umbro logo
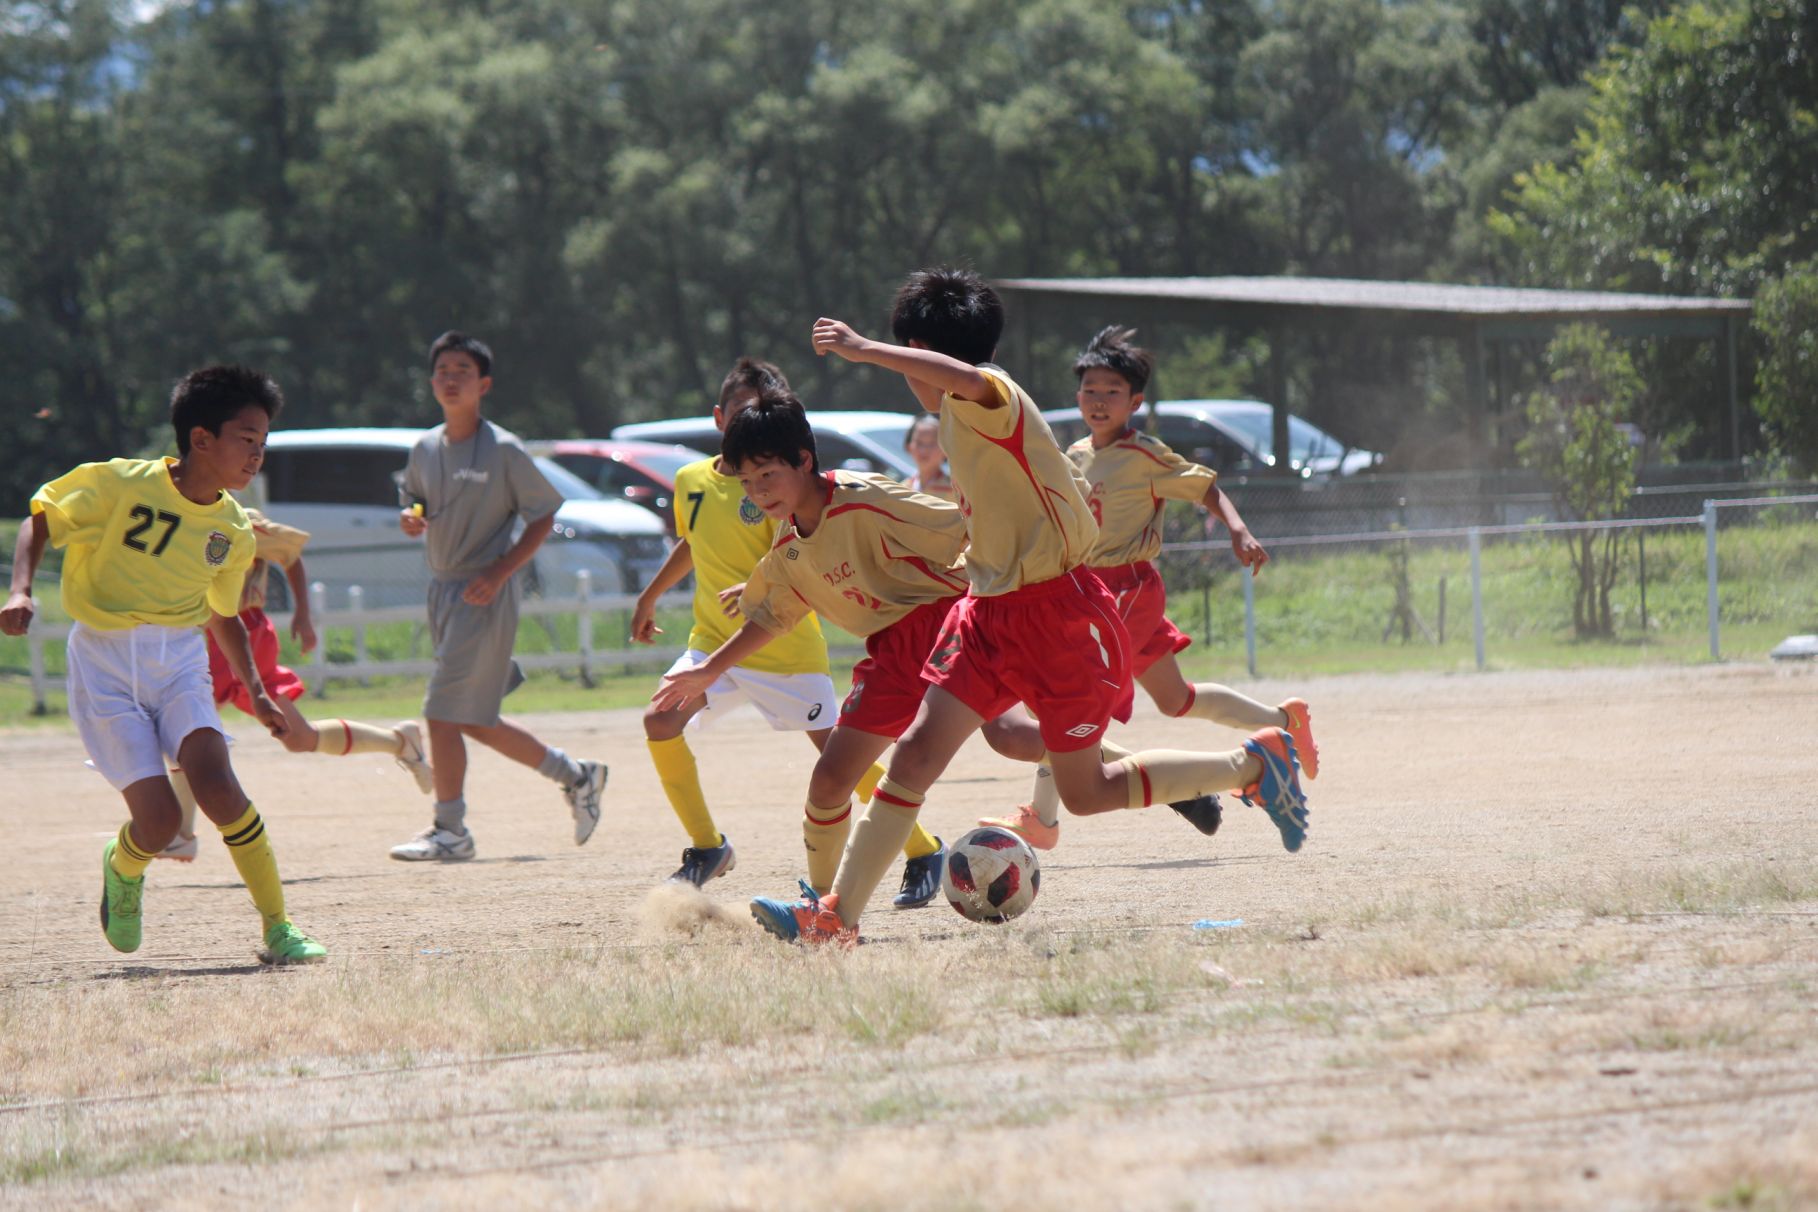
(1082, 730)
(790, 554)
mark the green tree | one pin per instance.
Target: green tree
(1575, 442)
(1786, 322)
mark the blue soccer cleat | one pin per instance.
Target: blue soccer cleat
(1277, 789)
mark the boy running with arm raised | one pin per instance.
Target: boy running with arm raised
(1130, 477)
(1035, 626)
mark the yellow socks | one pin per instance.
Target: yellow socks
(129, 862)
(868, 782)
(338, 738)
(1162, 776)
(877, 837)
(258, 867)
(682, 784)
(921, 843)
(824, 833)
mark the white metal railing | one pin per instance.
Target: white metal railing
(1474, 535)
(588, 657)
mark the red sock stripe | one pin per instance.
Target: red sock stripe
(815, 820)
(1148, 794)
(348, 748)
(1188, 705)
(899, 801)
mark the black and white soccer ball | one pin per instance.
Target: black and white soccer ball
(991, 875)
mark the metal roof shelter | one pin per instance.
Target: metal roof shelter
(1483, 319)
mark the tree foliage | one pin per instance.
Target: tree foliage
(1575, 440)
(1786, 318)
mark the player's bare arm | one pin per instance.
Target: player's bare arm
(16, 617)
(676, 565)
(936, 371)
(1244, 546)
(485, 587)
(678, 688)
(301, 625)
(230, 637)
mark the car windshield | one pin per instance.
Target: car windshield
(571, 486)
(889, 436)
(1257, 427)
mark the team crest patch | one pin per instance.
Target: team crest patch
(749, 513)
(218, 547)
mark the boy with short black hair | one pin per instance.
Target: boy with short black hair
(157, 549)
(721, 534)
(1131, 476)
(469, 482)
(1036, 626)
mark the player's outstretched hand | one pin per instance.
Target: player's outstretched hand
(678, 688)
(1248, 551)
(17, 616)
(643, 623)
(730, 599)
(268, 713)
(836, 336)
(304, 631)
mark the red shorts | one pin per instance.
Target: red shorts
(887, 686)
(1058, 647)
(1142, 602)
(262, 639)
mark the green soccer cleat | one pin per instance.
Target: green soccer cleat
(121, 915)
(285, 944)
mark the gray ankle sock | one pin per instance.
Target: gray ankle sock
(451, 815)
(560, 767)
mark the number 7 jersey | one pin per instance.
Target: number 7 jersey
(139, 551)
(727, 535)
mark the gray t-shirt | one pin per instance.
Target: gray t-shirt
(473, 493)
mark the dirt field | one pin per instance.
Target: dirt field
(1553, 941)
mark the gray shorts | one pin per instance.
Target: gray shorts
(474, 670)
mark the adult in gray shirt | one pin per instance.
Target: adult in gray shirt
(468, 486)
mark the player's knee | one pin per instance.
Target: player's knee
(827, 788)
(662, 725)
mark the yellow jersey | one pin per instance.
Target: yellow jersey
(1024, 500)
(139, 551)
(273, 543)
(881, 550)
(727, 535)
(1127, 483)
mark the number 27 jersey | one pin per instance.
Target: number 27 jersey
(139, 551)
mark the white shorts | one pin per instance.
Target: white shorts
(792, 702)
(136, 694)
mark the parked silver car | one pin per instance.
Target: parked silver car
(341, 485)
(1232, 437)
(844, 439)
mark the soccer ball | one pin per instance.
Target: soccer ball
(990, 875)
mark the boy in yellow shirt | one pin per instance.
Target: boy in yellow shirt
(156, 550)
(1130, 477)
(1035, 626)
(721, 534)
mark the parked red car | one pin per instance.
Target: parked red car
(640, 472)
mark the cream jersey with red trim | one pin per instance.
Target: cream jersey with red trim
(1024, 500)
(139, 551)
(881, 550)
(274, 543)
(1127, 483)
(727, 535)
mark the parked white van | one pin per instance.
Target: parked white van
(341, 485)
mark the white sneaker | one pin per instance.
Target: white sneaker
(182, 849)
(584, 800)
(436, 845)
(414, 758)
